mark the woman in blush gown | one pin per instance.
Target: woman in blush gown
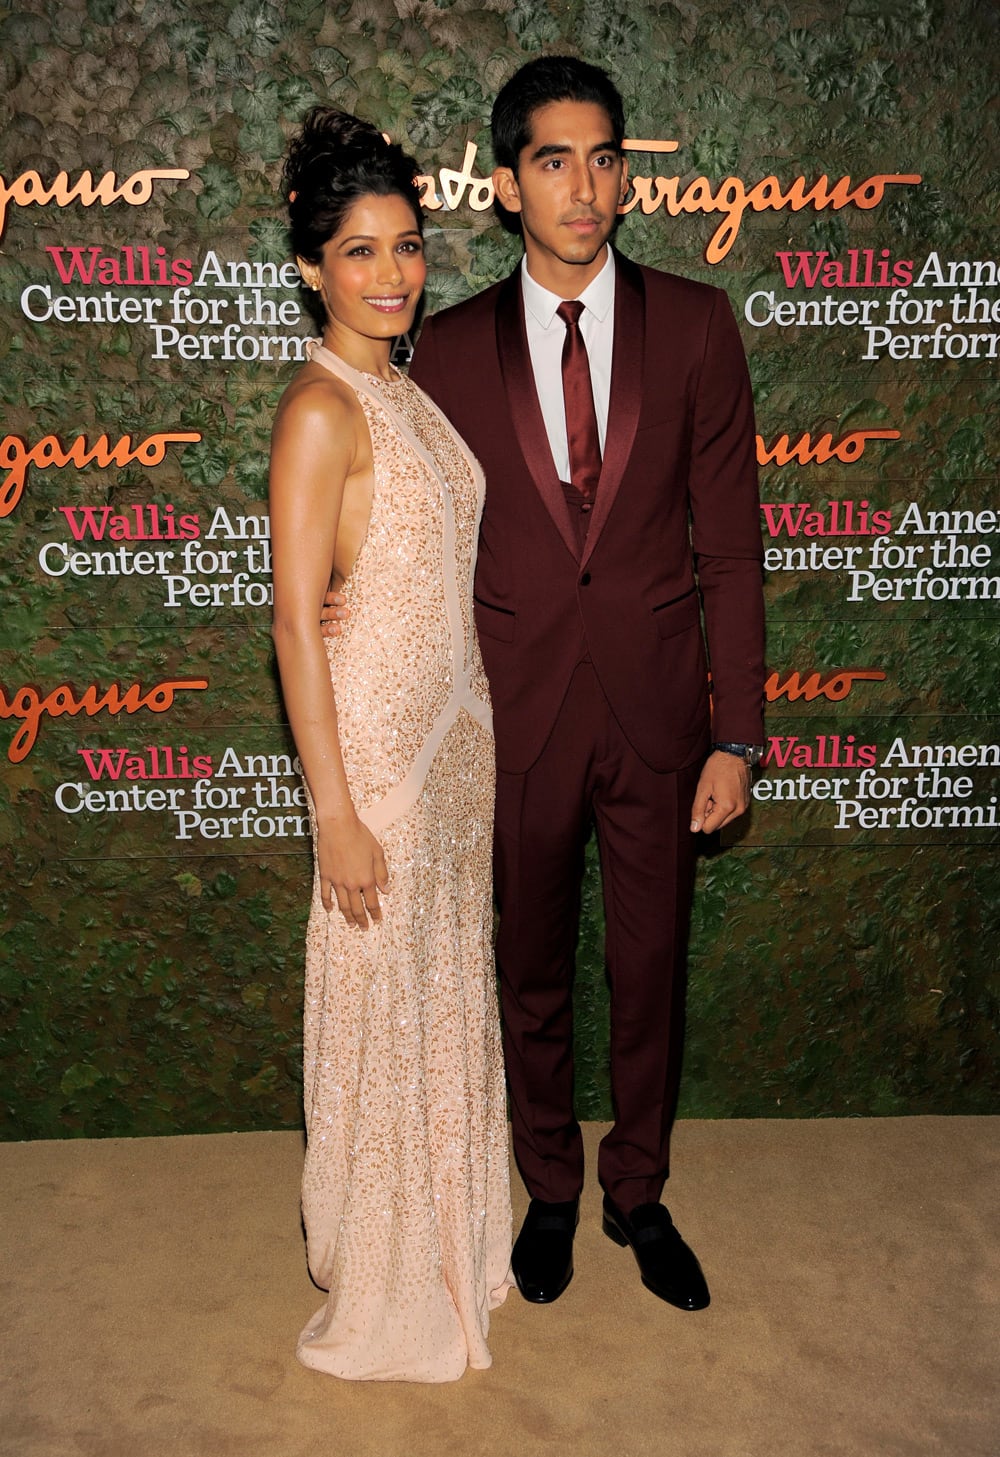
(405, 1193)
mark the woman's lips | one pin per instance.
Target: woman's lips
(388, 305)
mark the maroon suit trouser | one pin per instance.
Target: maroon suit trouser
(588, 773)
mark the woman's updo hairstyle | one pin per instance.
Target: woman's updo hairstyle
(334, 161)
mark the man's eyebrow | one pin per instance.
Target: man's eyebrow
(560, 149)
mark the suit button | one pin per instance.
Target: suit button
(585, 580)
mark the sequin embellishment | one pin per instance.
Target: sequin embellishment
(405, 1192)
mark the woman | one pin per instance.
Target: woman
(405, 1189)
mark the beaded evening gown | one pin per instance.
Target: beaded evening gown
(405, 1192)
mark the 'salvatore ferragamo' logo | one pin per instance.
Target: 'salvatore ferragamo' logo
(16, 456)
(731, 197)
(30, 705)
(807, 451)
(137, 189)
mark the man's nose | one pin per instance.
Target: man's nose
(583, 183)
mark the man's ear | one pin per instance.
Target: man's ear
(624, 187)
(310, 273)
(506, 188)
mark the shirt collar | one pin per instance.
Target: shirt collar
(598, 296)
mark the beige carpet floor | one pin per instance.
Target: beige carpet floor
(151, 1291)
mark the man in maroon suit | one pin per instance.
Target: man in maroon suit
(605, 564)
(620, 533)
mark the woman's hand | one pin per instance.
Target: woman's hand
(352, 869)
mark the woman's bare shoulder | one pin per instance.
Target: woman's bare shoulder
(318, 398)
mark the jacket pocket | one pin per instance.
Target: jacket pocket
(497, 622)
(678, 615)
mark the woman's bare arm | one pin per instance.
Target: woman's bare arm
(320, 466)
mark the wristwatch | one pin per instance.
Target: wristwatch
(751, 754)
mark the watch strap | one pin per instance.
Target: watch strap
(749, 753)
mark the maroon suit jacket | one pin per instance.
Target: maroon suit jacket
(675, 524)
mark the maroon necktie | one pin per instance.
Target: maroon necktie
(578, 397)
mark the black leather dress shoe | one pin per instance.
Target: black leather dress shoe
(542, 1257)
(666, 1265)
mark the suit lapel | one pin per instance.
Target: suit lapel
(525, 411)
(626, 391)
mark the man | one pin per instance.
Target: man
(619, 450)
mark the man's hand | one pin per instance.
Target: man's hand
(723, 793)
(335, 611)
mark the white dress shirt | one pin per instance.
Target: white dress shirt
(546, 336)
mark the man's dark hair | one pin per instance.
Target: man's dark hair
(549, 78)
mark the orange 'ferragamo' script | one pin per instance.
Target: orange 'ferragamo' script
(135, 190)
(31, 706)
(834, 687)
(731, 197)
(16, 456)
(807, 451)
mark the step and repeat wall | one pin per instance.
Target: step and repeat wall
(832, 167)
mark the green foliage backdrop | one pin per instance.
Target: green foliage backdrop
(150, 985)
